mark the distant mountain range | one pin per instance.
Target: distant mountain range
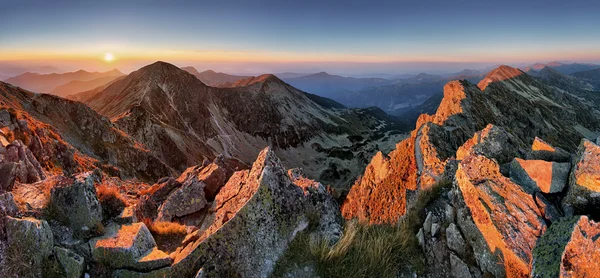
(63, 84)
(212, 78)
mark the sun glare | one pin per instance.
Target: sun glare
(108, 57)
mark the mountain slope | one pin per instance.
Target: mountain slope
(183, 122)
(333, 86)
(45, 83)
(591, 76)
(77, 86)
(67, 136)
(507, 97)
(213, 78)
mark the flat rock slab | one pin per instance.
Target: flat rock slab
(126, 248)
(540, 175)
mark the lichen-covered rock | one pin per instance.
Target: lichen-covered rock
(76, 204)
(132, 247)
(584, 186)
(500, 221)
(459, 269)
(32, 237)
(541, 150)
(547, 209)
(188, 198)
(321, 208)
(539, 175)
(492, 142)
(253, 219)
(569, 248)
(73, 265)
(455, 240)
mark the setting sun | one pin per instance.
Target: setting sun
(108, 57)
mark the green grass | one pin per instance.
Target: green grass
(366, 250)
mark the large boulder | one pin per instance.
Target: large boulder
(30, 239)
(539, 175)
(499, 220)
(252, 220)
(75, 203)
(583, 194)
(132, 247)
(187, 199)
(569, 248)
(72, 264)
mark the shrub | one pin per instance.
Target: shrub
(111, 200)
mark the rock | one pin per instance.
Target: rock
(449, 212)
(569, 248)
(539, 175)
(27, 168)
(187, 199)
(132, 247)
(148, 204)
(76, 203)
(30, 236)
(455, 240)
(492, 142)
(435, 229)
(499, 220)
(127, 216)
(459, 268)
(214, 175)
(427, 223)
(253, 219)
(547, 209)
(421, 238)
(8, 207)
(72, 264)
(540, 150)
(8, 174)
(584, 187)
(321, 207)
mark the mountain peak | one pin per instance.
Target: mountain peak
(501, 73)
(191, 70)
(265, 78)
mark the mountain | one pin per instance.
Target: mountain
(46, 83)
(569, 83)
(286, 75)
(77, 86)
(565, 68)
(591, 76)
(507, 98)
(69, 137)
(212, 78)
(333, 86)
(183, 121)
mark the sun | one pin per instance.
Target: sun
(108, 57)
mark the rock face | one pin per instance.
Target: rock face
(504, 98)
(539, 175)
(500, 221)
(76, 203)
(584, 187)
(252, 219)
(30, 236)
(27, 169)
(72, 264)
(568, 249)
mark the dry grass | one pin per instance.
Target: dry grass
(366, 250)
(111, 200)
(168, 235)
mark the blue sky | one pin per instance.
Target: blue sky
(302, 35)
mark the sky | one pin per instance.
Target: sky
(346, 37)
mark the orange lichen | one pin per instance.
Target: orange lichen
(581, 257)
(539, 171)
(124, 238)
(587, 169)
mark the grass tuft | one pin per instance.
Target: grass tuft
(111, 200)
(168, 235)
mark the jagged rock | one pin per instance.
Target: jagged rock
(148, 204)
(568, 249)
(450, 212)
(435, 229)
(547, 209)
(127, 216)
(8, 207)
(187, 199)
(492, 142)
(8, 174)
(321, 206)
(459, 268)
(455, 240)
(30, 236)
(539, 175)
(253, 218)
(584, 186)
(72, 264)
(421, 238)
(540, 150)
(28, 169)
(214, 175)
(500, 221)
(75, 202)
(427, 223)
(132, 247)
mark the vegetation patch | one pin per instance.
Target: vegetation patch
(111, 200)
(168, 235)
